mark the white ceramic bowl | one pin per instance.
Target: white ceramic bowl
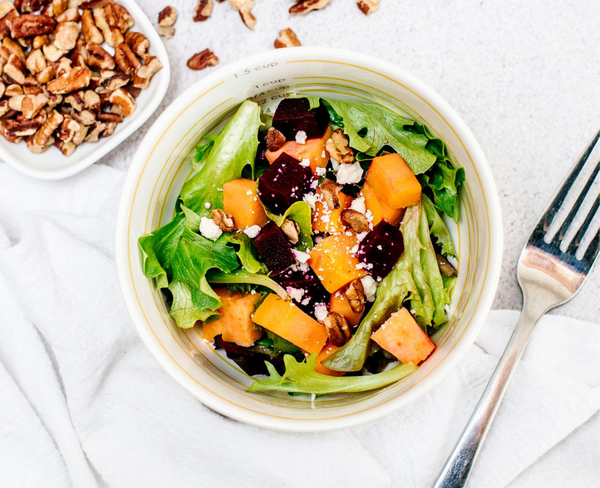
(52, 165)
(161, 166)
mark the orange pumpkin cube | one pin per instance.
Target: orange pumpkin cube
(327, 350)
(401, 336)
(334, 262)
(378, 207)
(330, 221)
(313, 149)
(235, 324)
(241, 201)
(393, 181)
(286, 320)
(339, 303)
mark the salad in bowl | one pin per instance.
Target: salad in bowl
(311, 245)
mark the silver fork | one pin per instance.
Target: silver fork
(548, 278)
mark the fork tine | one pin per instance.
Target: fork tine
(559, 197)
(569, 218)
(592, 251)
(575, 243)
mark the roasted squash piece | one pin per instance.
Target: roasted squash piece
(241, 201)
(393, 181)
(329, 221)
(379, 209)
(327, 350)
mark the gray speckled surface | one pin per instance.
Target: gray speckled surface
(524, 75)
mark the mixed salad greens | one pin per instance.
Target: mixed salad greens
(311, 246)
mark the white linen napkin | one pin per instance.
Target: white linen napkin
(83, 404)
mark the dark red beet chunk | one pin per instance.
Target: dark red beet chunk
(283, 183)
(274, 248)
(293, 115)
(314, 292)
(381, 249)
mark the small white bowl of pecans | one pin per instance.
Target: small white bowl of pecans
(77, 78)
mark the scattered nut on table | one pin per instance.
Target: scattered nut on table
(367, 6)
(203, 10)
(287, 38)
(58, 84)
(202, 60)
(306, 6)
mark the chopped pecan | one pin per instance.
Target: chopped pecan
(275, 139)
(9, 138)
(143, 76)
(367, 6)
(3, 107)
(355, 220)
(46, 75)
(54, 99)
(86, 4)
(80, 135)
(63, 66)
(79, 55)
(355, 293)
(76, 101)
(65, 36)
(16, 69)
(331, 193)
(42, 136)
(109, 130)
(5, 8)
(30, 25)
(13, 90)
(67, 148)
(94, 132)
(110, 81)
(2, 91)
(203, 10)
(33, 147)
(92, 101)
(287, 38)
(202, 60)
(85, 117)
(292, 230)
(5, 23)
(39, 41)
(36, 61)
(112, 35)
(25, 42)
(99, 58)
(223, 220)
(12, 47)
(67, 129)
(52, 53)
(338, 147)
(31, 86)
(25, 6)
(247, 18)
(59, 6)
(69, 15)
(126, 60)
(118, 17)
(306, 6)
(32, 104)
(337, 328)
(239, 4)
(445, 267)
(23, 128)
(91, 33)
(138, 42)
(132, 90)
(76, 79)
(110, 117)
(166, 32)
(167, 17)
(124, 100)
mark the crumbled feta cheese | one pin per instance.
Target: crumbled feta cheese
(358, 204)
(295, 293)
(323, 154)
(321, 312)
(349, 173)
(252, 231)
(305, 163)
(207, 205)
(318, 239)
(360, 236)
(304, 268)
(209, 229)
(249, 192)
(306, 301)
(314, 184)
(370, 287)
(301, 137)
(320, 171)
(302, 257)
(311, 199)
(334, 164)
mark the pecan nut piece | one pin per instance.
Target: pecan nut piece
(99, 58)
(203, 10)
(166, 32)
(63, 66)
(138, 42)
(91, 101)
(110, 81)
(124, 100)
(39, 41)
(247, 18)
(223, 220)
(355, 220)
(330, 191)
(67, 129)
(6, 22)
(118, 17)
(291, 229)
(355, 293)
(59, 6)
(13, 91)
(76, 101)
(23, 128)
(32, 104)
(30, 25)
(126, 60)
(202, 60)
(306, 6)
(143, 76)
(91, 33)
(43, 135)
(52, 53)
(167, 17)
(16, 69)
(11, 47)
(34, 148)
(46, 75)
(337, 328)
(69, 15)
(338, 148)
(67, 148)
(6, 7)
(65, 36)
(87, 4)
(110, 117)
(240, 4)
(80, 54)
(76, 79)
(287, 38)
(275, 139)
(36, 61)
(112, 35)
(367, 6)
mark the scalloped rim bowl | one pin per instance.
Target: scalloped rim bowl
(161, 166)
(52, 165)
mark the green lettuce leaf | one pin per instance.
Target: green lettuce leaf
(370, 127)
(243, 276)
(280, 345)
(202, 151)
(246, 251)
(300, 377)
(438, 228)
(233, 150)
(185, 310)
(443, 182)
(300, 213)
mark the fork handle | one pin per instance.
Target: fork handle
(459, 463)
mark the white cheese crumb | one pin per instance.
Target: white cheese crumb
(370, 287)
(209, 229)
(311, 199)
(413, 311)
(323, 154)
(321, 312)
(314, 184)
(304, 268)
(320, 171)
(249, 192)
(358, 204)
(305, 163)
(302, 257)
(295, 293)
(334, 164)
(360, 236)
(252, 231)
(207, 205)
(301, 137)
(306, 301)
(349, 173)
(318, 239)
